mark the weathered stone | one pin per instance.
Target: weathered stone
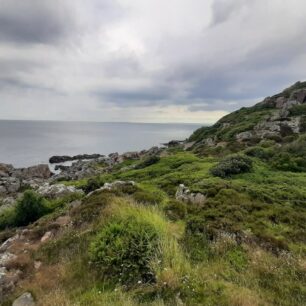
(75, 203)
(183, 194)
(3, 272)
(25, 299)
(5, 258)
(130, 155)
(209, 142)
(57, 190)
(7, 243)
(40, 171)
(47, 236)
(280, 102)
(5, 168)
(112, 186)
(37, 264)
(244, 136)
(63, 220)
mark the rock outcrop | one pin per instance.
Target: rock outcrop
(112, 186)
(57, 190)
(64, 158)
(185, 195)
(12, 179)
(87, 168)
(274, 118)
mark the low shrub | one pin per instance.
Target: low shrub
(151, 160)
(30, 208)
(259, 152)
(27, 210)
(92, 184)
(7, 218)
(231, 165)
(123, 250)
(287, 162)
(176, 210)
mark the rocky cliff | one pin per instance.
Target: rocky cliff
(274, 118)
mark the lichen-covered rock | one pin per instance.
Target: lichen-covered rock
(185, 195)
(112, 186)
(57, 190)
(248, 135)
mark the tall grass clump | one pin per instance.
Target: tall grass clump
(124, 247)
(138, 246)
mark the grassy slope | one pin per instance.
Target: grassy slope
(267, 205)
(244, 246)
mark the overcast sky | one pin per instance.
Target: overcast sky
(146, 60)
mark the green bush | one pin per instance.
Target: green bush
(123, 251)
(176, 210)
(151, 160)
(30, 208)
(259, 152)
(286, 162)
(92, 184)
(231, 165)
(7, 218)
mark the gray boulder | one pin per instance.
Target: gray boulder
(57, 190)
(40, 171)
(25, 299)
(183, 194)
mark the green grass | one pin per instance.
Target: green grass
(244, 246)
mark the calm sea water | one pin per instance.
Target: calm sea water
(26, 143)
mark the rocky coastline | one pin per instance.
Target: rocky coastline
(13, 181)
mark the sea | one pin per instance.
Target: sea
(27, 143)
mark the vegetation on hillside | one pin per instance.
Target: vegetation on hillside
(245, 244)
(140, 246)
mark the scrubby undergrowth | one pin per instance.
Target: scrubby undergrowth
(137, 245)
(244, 244)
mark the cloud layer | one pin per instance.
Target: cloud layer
(154, 60)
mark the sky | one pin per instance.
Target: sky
(146, 60)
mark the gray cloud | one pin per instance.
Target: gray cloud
(121, 57)
(35, 21)
(222, 10)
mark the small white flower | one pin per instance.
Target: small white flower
(139, 282)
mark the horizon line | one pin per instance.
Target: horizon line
(122, 122)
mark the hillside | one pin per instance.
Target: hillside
(217, 220)
(276, 117)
